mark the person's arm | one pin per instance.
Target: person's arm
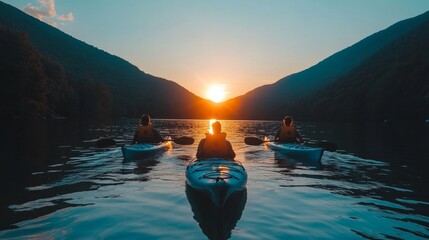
(231, 153)
(200, 148)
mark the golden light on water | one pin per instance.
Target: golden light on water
(210, 125)
(216, 93)
(169, 151)
(266, 139)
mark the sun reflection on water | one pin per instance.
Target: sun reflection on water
(210, 125)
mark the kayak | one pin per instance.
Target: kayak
(143, 150)
(297, 150)
(219, 177)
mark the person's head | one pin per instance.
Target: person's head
(145, 120)
(216, 127)
(288, 121)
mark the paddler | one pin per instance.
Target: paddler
(145, 132)
(287, 132)
(215, 145)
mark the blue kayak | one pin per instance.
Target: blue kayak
(143, 150)
(219, 177)
(298, 151)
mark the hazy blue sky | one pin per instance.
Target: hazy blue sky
(241, 44)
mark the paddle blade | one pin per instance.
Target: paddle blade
(184, 140)
(253, 141)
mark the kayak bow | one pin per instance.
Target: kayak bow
(219, 177)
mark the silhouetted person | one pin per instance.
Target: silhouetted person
(145, 132)
(287, 132)
(215, 145)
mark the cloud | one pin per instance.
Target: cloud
(45, 11)
(68, 17)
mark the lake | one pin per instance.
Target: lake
(56, 185)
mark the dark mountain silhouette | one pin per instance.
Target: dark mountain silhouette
(128, 91)
(24, 83)
(46, 72)
(274, 100)
(392, 85)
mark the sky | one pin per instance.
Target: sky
(237, 45)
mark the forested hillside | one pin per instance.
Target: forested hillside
(392, 85)
(286, 95)
(93, 74)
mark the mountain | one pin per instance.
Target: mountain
(392, 85)
(129, 91)
(275, 100)
(45, 72)
(31, 84)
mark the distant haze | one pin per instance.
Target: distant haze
(241, 44)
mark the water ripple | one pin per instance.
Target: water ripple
(85, 192)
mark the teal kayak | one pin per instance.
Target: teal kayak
(143, 150)
(219, 177)
(298, 151)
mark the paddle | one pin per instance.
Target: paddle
(182, 140)
(107, 142)
(328, 146)
(254, 141)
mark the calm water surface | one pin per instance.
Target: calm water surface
(56, 185)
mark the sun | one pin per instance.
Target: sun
(216, 93)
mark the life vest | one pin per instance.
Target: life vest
(215, 145)
(287, 133)
(144, 133)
